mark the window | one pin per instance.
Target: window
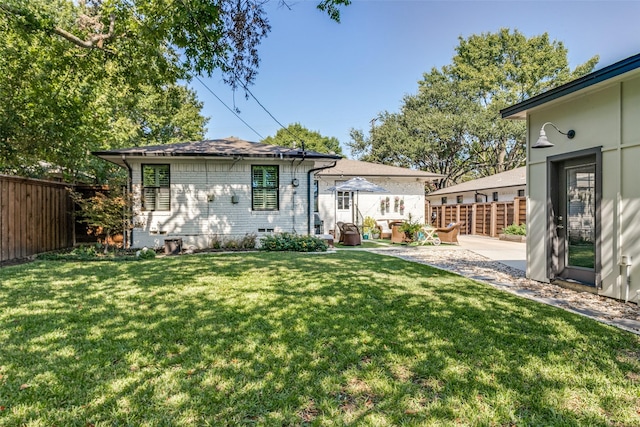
(156, 191)
(520, 193)
(264, 183)
(495, 196)
(443, 200)
(344, 198)
(459, 199)
(315, 195)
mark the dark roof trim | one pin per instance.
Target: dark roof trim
(591, 79)
(442, 192)
(399, 175)
(229, 148)
(289, 155)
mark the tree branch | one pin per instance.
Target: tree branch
(93, 42)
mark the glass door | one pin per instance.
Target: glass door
(576, 221)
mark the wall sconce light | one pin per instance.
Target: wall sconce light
(543, 142)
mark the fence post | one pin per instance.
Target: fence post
(494, 219)
(474, 212)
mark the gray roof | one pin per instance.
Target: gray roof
(353, 168)
(511, 178)
(226, 147)
(519, 110)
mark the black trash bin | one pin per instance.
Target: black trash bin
(172, 246)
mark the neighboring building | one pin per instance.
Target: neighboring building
(501, 187)
(405, 193)
(583, 189)
(218, 189)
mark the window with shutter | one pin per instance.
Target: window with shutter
(156, 189)
(264, 186)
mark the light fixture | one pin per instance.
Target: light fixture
(543, 141)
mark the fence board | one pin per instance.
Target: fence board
(485, 219)
(35, 216)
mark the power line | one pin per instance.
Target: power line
(227, 107)
(242, 84)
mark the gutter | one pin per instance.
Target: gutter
(309, 172)
(129, 233)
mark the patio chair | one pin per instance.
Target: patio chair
(397, 235)
(449, 234)
(349, 234)
(385, 230)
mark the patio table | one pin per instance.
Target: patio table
(427, 235)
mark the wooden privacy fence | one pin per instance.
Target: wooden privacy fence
(35, 216)
(486, 219)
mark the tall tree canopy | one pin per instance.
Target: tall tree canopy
(295, 135)
(80, 75)
(452, 125)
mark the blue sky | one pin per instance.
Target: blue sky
(332, 77)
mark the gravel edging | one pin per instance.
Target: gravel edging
(469, 264)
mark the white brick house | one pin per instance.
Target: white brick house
(405, 193)
(217, 189)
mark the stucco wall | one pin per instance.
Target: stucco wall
(202, 208)
(606, 117)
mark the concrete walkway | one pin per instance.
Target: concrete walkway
(513, 254)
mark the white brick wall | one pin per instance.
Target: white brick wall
(201, 202)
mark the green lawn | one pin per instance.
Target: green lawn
(293, 339)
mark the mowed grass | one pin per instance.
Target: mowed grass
(349, 338)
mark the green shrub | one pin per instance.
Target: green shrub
(411, 228)
(216, 242)
(292, 242)
(79, 253)
(516, 230)
(145, 253)
(248, 241)
(369, 225)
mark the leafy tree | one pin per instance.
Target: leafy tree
(80, 75)
(106, 213)
(295, 135)
(452, 125)
(187, 36)
(57, 105)
(431, 131)
(501, 69)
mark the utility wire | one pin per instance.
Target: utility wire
(227, 107)
(242, 84)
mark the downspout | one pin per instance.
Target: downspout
(129, 238)
(486, 197)
(309, 173)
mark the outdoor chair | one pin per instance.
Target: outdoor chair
(449, 234)
(385, 230)
(397, 235)
(349, 234)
